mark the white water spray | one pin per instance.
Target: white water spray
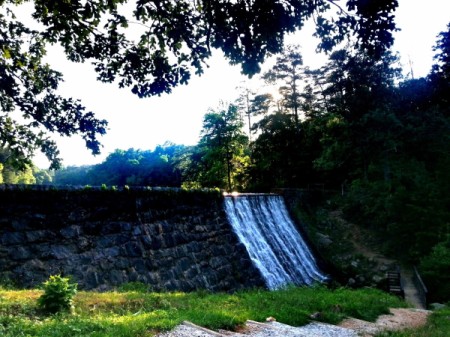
(264, 226)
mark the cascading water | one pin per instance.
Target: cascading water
(264, 226)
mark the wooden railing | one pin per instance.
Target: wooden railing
(423, 291)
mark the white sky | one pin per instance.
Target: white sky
(145, 123)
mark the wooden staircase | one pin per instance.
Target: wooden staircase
(407, 283)
(395, 284)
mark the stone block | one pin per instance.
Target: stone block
(19, 225)
(194, 247)
(180, 252)
(86, 259)
(106, 241)
(133, 276)
(92, 228)
(180, 238)
(111, 252)
(166, 275)
(133, 249)
(83, 243)
(70, 232)
(142, 278)
(168, 241)
(121, 239)
(125, 227)
(61, 252)
(122, 263)
(110, 228)
(78, 215)
(40, 236)
(136, 231)
(21, 253)
(217, 262)
(191, 273)
(151, 263)
(183, 265)
(224, 271)
(12, 238)
(153, 278)
(172, 285)
(146, 241)
(156, 243)
(91, 279)
(139, 265)
(245, 263)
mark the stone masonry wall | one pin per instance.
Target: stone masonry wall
(167, 239)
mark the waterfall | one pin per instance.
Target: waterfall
(277, 249)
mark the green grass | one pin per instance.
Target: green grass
(143, 314)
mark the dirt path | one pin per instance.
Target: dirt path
(399, 319)
(360, 239)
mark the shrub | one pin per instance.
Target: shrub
(435, 269)
(58, 294)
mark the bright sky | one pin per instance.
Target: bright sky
(145, 123)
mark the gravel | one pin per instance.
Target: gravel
(255, 329)
(187, 329)
(351, 327)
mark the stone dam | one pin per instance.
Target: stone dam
(170, 240)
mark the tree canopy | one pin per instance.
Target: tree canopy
(150, 47)
(221, 148)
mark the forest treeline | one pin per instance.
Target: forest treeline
(355, 125)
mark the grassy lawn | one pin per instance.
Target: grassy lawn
(142, 314)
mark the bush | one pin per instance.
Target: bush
(435, 269)
(58, 294)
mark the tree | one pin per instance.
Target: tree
(434, 269)
(140, 168)
(261, 104)
(390, 143)
(288, 70)
(274, 152)
(440, 73)
(164, 166)
(174, 41)
(281, 156)
(358, 123)
(251, 104)
(442, 49)
(11, 174)
(222, 148)
(29, 86)
(243, 105)
(73, 175)
(43, 177)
